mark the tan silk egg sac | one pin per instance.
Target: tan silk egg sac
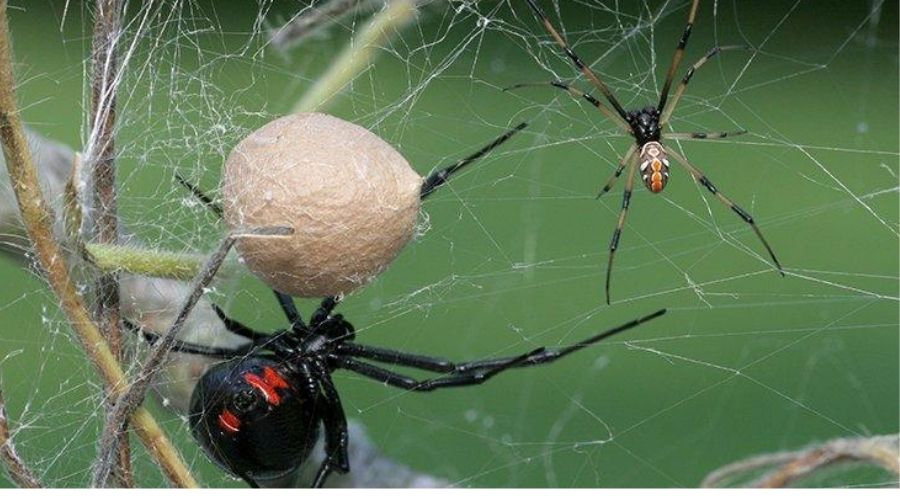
(351, 198)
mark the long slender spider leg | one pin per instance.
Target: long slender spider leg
(678, 55)
(474, 377)
(440, 365)
(615, 176)
(579, 64)
(439, 177)
(701, 178)
(238, 328)
(679, 91)
(337, 437)
(290, 309)
(189, 348)
(702, 135)
(614, 242)
(422, 362)
(578, 94)
(200, 195)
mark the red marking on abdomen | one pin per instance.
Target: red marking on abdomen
(268, 384)
(229, 422)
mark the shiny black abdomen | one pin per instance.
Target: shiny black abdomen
(254, 419)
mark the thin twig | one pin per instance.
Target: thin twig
(359, 53)
(18, 472)
(101, 156)
(38, 221)
(782, 469)
(127, 402)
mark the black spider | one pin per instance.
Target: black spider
(258, 413)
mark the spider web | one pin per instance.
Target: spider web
(512, 254)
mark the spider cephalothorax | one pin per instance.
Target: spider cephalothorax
(644, 125)
(648, 126)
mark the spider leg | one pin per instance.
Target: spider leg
(679, 91)
(584, 68)
(702, 135)
(430, 363)
(438, 178)
(615, 176)
(189, 348)
(290, 309)
(238, 328)
(743, 214)
(460, 374)
(614, 242)
(324, 311)
(455, 379)
(678, 55)
(337, 437)
(203, 197)
(578, 94)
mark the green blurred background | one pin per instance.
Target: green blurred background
(514, 254)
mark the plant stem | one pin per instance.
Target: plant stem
(359, 53)
(101, 157)
(145, 262)
(38, 221)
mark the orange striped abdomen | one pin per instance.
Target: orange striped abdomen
(654, 166)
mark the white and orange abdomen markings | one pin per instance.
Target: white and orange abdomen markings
(654, 166)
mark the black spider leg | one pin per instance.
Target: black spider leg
(203, 197)
(472, 376)
(677, 56)
(189, 348)
(290, 310)
(701, 178)
(584, 68)
(438, 178)
(459, 374)
(337, 437)
(324, 311)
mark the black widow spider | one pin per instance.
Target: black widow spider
(257, 414)
(646, 126)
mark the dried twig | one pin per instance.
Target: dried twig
(100, 158)
(18, 472)
(359, 53)
(38, 221)
(782, 469)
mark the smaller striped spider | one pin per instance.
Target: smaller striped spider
(647, 127)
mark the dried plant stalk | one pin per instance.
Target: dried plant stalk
(101, 157)
(18, 472)
(783, 469)
(38, 221)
